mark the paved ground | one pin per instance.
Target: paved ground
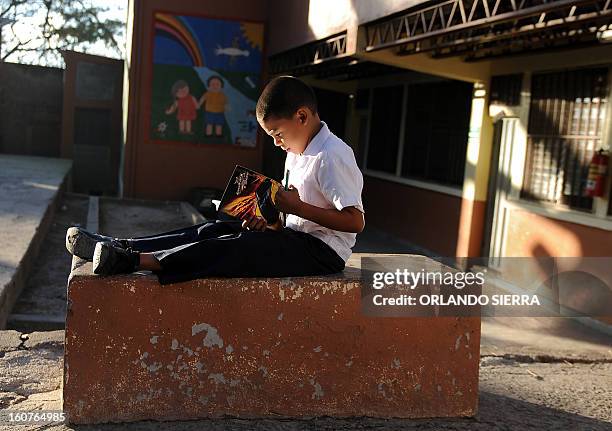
(544, 336)
(27, 186)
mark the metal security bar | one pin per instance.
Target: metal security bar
(303, 58)
(452, 27)
(566, 120)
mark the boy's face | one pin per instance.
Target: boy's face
(291, 134)
(214, 85)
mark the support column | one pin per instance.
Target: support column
(475, 182)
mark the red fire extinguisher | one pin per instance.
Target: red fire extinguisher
(598, 169)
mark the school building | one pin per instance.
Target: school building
(474, 122)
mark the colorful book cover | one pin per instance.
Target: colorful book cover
(249, 193)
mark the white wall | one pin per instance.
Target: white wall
(297, 22)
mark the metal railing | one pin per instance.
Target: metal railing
(308, 55)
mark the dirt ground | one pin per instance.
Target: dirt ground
(129, 220)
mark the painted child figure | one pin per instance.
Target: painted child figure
(215, 104)
(185, 106)
(323, 207)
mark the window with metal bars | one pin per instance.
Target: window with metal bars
(566, 121)
(506, 89)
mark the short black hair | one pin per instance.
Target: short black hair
(283, 96)
(215, 77)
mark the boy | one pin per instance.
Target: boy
(323, 207)
(215, 105)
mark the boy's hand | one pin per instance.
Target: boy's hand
(288, 201)
(254, 223)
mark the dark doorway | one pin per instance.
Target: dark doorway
(332, 107)
(92, 122)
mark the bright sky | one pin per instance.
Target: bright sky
(23, 28)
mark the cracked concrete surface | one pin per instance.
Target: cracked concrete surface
(542, 336)
(31, 367)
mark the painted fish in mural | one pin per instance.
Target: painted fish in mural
(232, 52)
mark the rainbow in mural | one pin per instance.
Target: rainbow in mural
(206, 80)
(177, 28)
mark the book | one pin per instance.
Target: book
(249, 193)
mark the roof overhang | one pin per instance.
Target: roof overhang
(482, 28)
(327, 59)
(306, 58)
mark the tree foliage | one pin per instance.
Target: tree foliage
(53, 26)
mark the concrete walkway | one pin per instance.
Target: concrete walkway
(29, 190)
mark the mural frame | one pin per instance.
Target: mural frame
(148, 111)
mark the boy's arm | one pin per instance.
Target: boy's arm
(275, 226)
(202, 99)
(259, 223)
(348, 219)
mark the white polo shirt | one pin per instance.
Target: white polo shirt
(326, 175)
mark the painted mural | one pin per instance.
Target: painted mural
(206, 80)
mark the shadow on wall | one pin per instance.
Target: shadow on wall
(569, 157)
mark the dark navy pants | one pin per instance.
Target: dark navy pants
(225, 249)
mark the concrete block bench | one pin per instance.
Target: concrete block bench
(247, 347)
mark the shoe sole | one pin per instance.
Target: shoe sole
(79, 244)
(100, 257)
